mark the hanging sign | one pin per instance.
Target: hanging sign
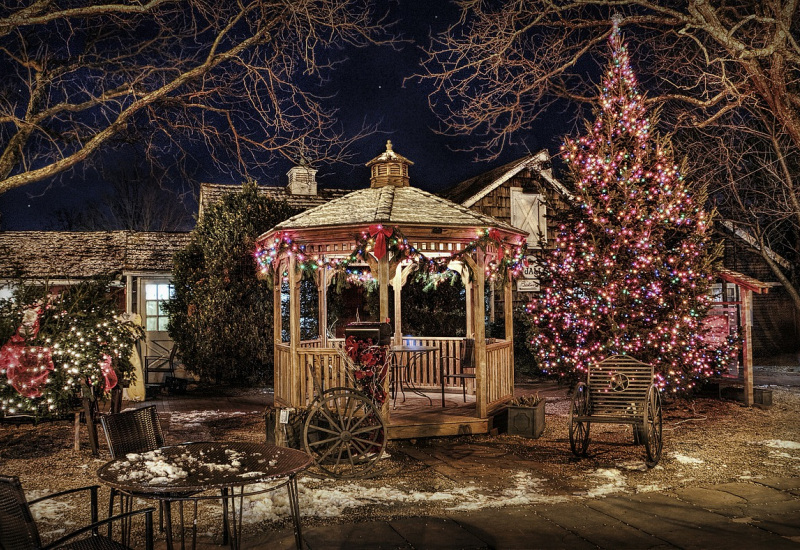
(527, 285)
(529, 282)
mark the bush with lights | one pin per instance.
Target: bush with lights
(58, 346)
(631, 268)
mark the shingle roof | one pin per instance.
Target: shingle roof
(67, 255)
(470, 191)
(211, 193)
(153, 251)
(391, 205)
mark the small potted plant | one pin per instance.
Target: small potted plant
(526, 416)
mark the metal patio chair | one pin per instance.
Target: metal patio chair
(18, 530)
(466, 367)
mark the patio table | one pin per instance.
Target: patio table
(401, 373)
(206, 466)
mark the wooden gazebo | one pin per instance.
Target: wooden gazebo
(389, 227)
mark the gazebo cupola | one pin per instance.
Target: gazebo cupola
(389, 168)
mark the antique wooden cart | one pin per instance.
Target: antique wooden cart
(618, 390)
(344, 431)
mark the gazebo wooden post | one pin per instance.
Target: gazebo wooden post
(383, 281)
(322, 305)
(468, 293)
(478, 278)
(397, 287)
(508, 312)
(297, 377)
(746, 296)
(277, 317)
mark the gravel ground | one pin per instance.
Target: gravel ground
(705, 441)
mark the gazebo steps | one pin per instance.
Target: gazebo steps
(443, 426)
(419, 417)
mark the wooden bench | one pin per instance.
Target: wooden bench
(618, 390)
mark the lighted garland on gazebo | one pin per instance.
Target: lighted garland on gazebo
(380, 241)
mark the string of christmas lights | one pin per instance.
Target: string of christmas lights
(509, 262)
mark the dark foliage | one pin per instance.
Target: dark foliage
(221, 315)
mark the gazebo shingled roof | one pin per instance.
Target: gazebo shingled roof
(391, 205)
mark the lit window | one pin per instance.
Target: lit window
(156, 295)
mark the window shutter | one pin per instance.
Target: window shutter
(528, 213)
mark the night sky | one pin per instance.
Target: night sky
(368, 87)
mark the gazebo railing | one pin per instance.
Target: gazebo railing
(326, 365)
(500, 372)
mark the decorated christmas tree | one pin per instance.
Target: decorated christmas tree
(630, 270)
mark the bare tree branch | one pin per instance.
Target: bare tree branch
(725, 74)
(237, 80)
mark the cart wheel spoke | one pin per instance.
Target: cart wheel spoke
(344, 433)
(323, 456)
(367, 429)
(323, 429)
(324, 441)
(329, 415)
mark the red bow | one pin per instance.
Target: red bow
(381, 234)
(494, 234)
(109, 374)
(27, 368)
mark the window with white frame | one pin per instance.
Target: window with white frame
(528, 213)
(155, 296)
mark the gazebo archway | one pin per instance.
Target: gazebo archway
(390, 226)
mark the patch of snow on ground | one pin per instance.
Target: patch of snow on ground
(193, 418)
(781, 444)
(326, 502)
(615, 482)
(637, 465)
(51, 510)
(652, 488)
(684, 459)
(526, 490)
(776, 454)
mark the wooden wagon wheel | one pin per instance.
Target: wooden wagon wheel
(579, 429)
(653, 426)
(344, 433)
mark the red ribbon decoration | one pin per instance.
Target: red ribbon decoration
(109, 375)
(27, 367)
(494, 234)
(380, 234)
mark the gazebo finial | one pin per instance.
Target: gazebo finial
(388, 144)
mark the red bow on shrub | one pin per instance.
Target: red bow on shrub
(381, 234)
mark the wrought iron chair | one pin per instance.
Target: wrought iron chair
(18, 529)
(466, 367)
(136, 431)
(139, 431)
